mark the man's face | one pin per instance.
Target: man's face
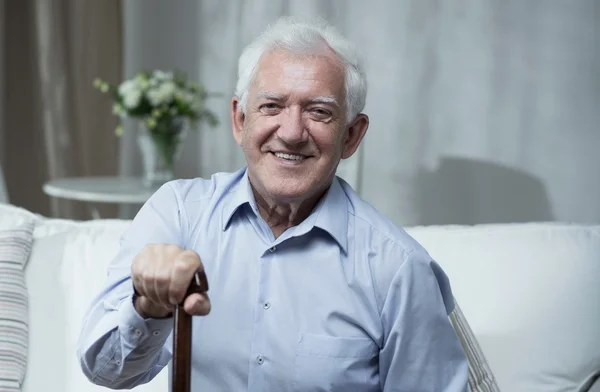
(294, 131)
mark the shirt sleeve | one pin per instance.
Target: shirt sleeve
(421, 351)
(118, 348)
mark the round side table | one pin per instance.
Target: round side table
(120, 190)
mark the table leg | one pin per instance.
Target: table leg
(95, 213)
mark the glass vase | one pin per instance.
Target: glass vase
(160, 147)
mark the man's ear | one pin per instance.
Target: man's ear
(354, 135)
(237, 120)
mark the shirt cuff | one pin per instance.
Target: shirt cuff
(135, 329)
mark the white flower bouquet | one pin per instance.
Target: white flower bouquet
(165, 103)
(157, 97)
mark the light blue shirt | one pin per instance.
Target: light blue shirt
(345, 301)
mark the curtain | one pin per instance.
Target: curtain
(3, 192)
(52, 122)
(481, 111)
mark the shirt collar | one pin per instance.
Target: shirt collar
(240, 194)
(330, 214)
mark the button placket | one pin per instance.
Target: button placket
(260, 348)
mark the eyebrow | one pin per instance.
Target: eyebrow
(271, 96)
(280, 97)
(330, 100)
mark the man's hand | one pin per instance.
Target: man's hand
(161, 275)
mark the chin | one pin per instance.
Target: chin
(289, 188)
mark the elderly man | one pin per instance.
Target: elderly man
(311, 289)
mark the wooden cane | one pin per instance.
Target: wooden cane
(182, 338)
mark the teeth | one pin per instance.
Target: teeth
(291, 157)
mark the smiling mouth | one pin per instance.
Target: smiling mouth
(289, 157)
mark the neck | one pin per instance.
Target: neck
(282, 215)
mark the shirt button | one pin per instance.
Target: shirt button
(137, 332)
(118, 362)
(273, 249)
(260, 360)
(267, 305)
(156, 333)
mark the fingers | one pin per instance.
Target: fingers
(197, 304)
(149, 309)
(160, 286)
(182, 272)
(162, 274)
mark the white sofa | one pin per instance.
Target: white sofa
(531, 293)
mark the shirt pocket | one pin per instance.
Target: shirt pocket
(331, 363)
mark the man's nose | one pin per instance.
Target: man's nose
(292, 129)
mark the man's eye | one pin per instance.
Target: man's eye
(269, 107)
(321, 113)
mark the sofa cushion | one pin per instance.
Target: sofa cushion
(531, 295)
(12, 215)
(16, 237)
(66, 269)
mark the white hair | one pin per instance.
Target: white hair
(312, 37)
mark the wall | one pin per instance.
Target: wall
(481, 111)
